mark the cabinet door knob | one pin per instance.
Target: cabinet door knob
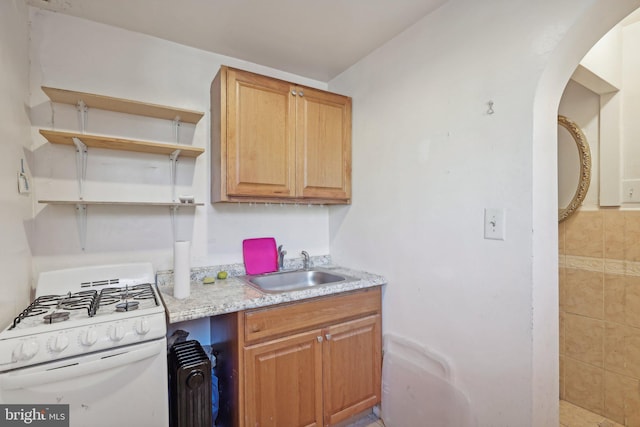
(319, 338)
(300, 93)
(293, 92)
(328, 337)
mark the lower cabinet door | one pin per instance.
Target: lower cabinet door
(352, 363)
(283, 382)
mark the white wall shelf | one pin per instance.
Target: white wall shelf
(83, 141)
(120, 105)
(121, 144)
(117, 203)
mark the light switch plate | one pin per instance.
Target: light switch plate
(494, 224)
(631, 191)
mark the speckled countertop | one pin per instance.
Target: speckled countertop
(232, 294)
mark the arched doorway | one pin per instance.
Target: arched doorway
(598, 18)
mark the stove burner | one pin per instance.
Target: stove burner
(83, 300)
(58, 316)
(138, 292)
(127, 306)
(125, 298)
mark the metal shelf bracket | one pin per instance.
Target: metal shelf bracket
(176, 129)
(81, 218)
(83, 113)
(81, 164)
(173, 158)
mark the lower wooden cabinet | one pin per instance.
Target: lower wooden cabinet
(351, 367)
(312, 363)
(283, 382)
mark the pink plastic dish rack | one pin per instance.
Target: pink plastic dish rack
(260, 255)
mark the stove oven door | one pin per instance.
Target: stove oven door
(125, 386)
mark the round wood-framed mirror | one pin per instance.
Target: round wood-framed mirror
(574, 167)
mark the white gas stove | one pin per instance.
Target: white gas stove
(90, 330)
(83, 310)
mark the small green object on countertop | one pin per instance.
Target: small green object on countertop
(222, 275)
(208, 280)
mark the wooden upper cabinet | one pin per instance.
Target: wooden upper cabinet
(275, 141)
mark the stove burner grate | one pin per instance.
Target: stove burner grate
(83, 300)
(56, 316)
(139, 292)
(126, 298)
(127, 306)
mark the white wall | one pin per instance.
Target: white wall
(428, 159)
(631, 102)
(612, 72)
(603, 58)
(72, 53)
(16, 210)
(613, 63)
(600, 71)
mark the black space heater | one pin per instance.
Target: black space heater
(189, 385)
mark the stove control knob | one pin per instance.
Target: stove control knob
(26, 350)
(88, 337)
(142, 326)
(116, 332)
(58, 343)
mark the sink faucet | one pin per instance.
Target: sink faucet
(305, 260)
(281, 254)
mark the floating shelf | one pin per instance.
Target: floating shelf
(111, 143)
(117, 203)
(82, 141)
(122, 105)
(81, 211)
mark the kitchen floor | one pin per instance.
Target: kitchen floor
(574, 416)
(570, 416)
(367, 420)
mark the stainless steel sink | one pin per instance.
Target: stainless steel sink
(294, 280)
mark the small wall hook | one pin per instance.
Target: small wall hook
(490, 109)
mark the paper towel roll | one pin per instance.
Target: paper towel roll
(181, 269)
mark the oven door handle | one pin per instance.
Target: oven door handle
(17, 380)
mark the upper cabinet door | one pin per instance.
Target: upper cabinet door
(323, 144)
(260, 136)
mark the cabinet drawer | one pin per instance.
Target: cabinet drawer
(284, 319)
